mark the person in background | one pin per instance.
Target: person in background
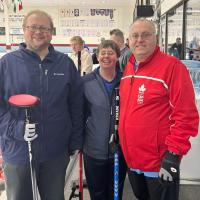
(117, 36)
(158, 115)
(99, 92)
(177, 48)
(85, 46)
(94, 57)
(194, 48)
(86, 59)
(127, 42)
(102, 39)
(37, 69)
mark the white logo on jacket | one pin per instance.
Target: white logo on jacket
(58, 74)
(141, 91)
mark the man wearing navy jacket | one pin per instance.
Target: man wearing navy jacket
(37, 69)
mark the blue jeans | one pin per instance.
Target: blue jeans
(50, 179)
(100, 177)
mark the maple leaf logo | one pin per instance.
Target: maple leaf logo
(142, 88)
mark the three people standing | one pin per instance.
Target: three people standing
(157, 115)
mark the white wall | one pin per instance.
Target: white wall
(122, 18)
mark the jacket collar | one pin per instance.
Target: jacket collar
(141, 64)
(118, 74)
(50, 56)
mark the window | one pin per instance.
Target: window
(162, 33)
(193, 30)
(175, 27)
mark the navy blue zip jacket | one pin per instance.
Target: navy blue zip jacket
(59, 114)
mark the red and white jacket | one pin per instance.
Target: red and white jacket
(157, 111)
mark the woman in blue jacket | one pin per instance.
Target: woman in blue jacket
(99, 95)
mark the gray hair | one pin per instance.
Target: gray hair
(142, 19)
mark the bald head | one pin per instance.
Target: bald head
(145, 21)
(142, 38)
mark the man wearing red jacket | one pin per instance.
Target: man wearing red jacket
(157, 115)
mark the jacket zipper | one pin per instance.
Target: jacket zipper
(47, 78)
(41, 99)
(41, 73)
(132, 79)
(110, 119)
(111, 112)
(125, 115)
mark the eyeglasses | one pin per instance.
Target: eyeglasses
(42, 29)
(108, 53)
(143, 36)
